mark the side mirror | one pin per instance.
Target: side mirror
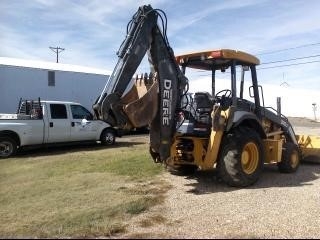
(84, 122)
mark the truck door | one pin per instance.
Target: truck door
(59, 124)
(82, 125)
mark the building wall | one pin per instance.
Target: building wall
(31, 83)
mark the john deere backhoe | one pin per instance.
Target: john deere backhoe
(219, 130)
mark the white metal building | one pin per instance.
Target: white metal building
(50, 81)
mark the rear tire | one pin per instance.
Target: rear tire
(108, 137)
(291, 158)
(241, 158)
(8, 147)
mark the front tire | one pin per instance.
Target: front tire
(108, 137)
(241, 158)
(291, 157)
(8, 147)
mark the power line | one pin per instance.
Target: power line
(291, 59)
(284, 60)
(289, 65)
(286, 49)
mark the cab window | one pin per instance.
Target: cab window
(79, 112)
(58, 111)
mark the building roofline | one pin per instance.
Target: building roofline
(17, 62)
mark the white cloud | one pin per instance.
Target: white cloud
(92, 31)
(193, 17)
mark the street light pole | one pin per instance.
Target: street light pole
(314, 107)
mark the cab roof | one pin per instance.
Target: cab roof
(216, 59)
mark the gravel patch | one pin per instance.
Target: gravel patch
(305, 126)
(199, 206)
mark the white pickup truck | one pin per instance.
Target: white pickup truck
(48, 122)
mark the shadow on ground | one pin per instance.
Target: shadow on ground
(205, 182)
(57, 149)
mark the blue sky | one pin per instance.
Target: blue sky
(92, 31)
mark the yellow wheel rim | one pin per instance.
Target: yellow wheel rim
(250, 158)
(294, 159)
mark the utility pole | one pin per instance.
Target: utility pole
(57, 50)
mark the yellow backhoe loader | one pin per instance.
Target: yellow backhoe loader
(203, 131)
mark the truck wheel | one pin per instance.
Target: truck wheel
(8, 147)
(241, 158)
(108, 137)
(291, 157)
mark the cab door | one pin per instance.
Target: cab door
(59, 123)
(83, 127)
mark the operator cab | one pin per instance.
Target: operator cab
(202, 103)
(196, 119)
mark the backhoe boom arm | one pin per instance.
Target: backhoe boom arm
(144, 36)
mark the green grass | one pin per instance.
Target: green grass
(86, 192)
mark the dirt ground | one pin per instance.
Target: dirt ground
(305, 126)
(303, 122)
(199, 206)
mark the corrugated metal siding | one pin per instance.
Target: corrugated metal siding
(31, 83)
